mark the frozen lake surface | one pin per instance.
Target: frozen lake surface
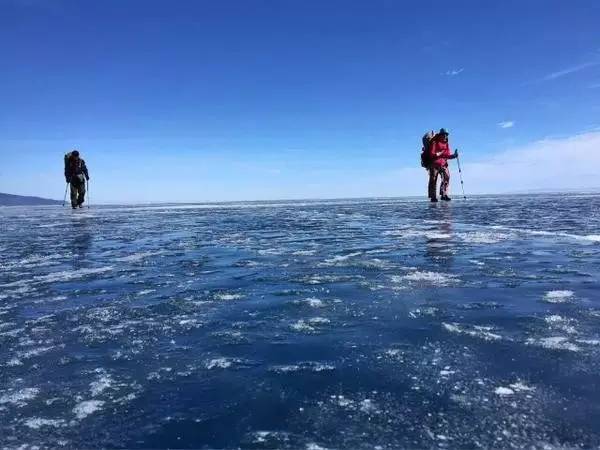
(341, 324)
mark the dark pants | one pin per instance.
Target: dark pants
(77, 192)
(442, 172)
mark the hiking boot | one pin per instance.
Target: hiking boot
(434, 200)
(81, 205)
(446, 198)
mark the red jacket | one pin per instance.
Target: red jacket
(443, 149)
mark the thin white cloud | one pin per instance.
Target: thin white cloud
(570, 70)
(506, 124)
(550, 164)
(454, 72)
(594, 86)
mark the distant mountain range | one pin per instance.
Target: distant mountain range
(20, 200)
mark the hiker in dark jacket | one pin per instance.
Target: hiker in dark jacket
(76, 174)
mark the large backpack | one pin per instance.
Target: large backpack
(67, 162)
(427, 140)
(69, 167)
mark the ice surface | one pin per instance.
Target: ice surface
(381, 323)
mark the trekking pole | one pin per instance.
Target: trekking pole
(87, 182)
(65, 197)
(462, 185)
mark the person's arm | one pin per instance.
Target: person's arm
(452, 155)
(449, 153)
(85, 170)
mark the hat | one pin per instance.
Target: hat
(75, 153)
(443, 131)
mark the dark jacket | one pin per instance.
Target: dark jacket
(76, 170)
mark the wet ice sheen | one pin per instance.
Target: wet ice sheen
(331, 324)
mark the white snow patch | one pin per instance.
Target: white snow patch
(422, 312)
(271, 251)
(314, 302)
(393, 353)
(484, 237)
(589, 341)
(65, 275)
(554, 343)
(555, 319)
(342, 401)
(313, 446)
(521, 387)
(477, 331)
(228, 297)
(591, 237)
(309, 366)
(138, 256)
(87, 407)
(341, 258)
(13, 362)
(35, 352)
(37, 422)
(368, 406)
(20, 397)
(310, 324)
(100, 385)
(503, 391)
(220, 363)
(146, 292)
(435, 278)
(414, 233)
(558, 296)
(319, 321)
(304, 253)
(562, 323)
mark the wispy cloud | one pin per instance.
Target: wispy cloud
(570, 70)
(454, 72)
(568, 163)
(594, 86)
(506, 124)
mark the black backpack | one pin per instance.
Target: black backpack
(67, 163)
(426, 141)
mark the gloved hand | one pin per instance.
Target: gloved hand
(456, 153)
(68, 179)
(88, 178)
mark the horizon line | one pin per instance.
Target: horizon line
(317, 199)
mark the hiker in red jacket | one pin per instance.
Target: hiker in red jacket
(439, 154)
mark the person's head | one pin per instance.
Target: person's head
(75, 154)
(443, 135)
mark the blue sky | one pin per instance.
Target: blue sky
(231, 100)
